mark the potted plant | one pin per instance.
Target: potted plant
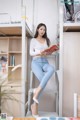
(5, 93)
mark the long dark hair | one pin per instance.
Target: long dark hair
(45, 35)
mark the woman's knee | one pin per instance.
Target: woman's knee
(40, 76)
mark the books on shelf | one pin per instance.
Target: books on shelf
(51, 49)
(12, 60)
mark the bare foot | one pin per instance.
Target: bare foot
(34, 109)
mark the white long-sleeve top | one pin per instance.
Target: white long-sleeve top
(36, 47)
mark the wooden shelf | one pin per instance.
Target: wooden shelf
(15, 52)
(10, 31)
(13, 67)
(71, 27)
(13, 42)
(3, 53)
(14, 29)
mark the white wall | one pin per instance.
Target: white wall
(71, 75)
(29, 13)
(46, 12)
(12, 10)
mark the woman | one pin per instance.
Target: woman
(40, 66)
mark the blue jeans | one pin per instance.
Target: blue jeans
(42, 70)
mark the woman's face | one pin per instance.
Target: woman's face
(41, 31)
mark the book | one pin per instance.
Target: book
(51, 49)
(12, 60)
